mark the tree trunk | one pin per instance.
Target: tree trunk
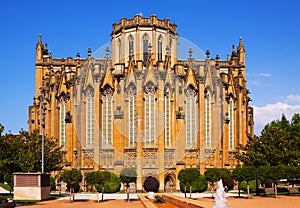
(184, 191)
(73, 193)
(248, 190)
(275, 190)
(239, 189)
(190, 190)
(102, 191)
(127, 187)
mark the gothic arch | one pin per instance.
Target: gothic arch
(169, 181)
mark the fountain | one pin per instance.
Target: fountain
(220, 197)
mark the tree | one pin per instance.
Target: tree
(237, 175)
(279, 144)
(9, 179)
(72, 177)
(23, 153)
(192, 175)
(183, 179)
(151, 184)
(111, 186)
(212, 175)
(30, 159)
(199, 185)
(249, 174)
(98, 177)
(128, 175)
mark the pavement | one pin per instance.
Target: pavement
(3, 191)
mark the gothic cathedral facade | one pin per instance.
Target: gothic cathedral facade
(142, 107)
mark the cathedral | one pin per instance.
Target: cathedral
(142, 107)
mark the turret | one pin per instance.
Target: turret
(39, 49)
(241, 52)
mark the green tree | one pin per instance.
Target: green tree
(72, 177)
(249, 174)
(199, 185)
(238, 176)
(182, 177)
(9, 179)
(127, 176)
(212, 175)
(111, 186)
(192, 175)
(98, 177)
(30, 159)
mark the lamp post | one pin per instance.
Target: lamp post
(42, 97)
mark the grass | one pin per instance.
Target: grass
(5, 186)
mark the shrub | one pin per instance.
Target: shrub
(52, 184)
(111, 186)
(267, 182)
(229, 183)
(151, 184)
(200, 185)
(252, 186)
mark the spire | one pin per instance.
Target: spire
(190, 78)
(241, 46)
(39, 49)
(241, 54)
(130, 74)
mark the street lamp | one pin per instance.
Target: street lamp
(42, 97)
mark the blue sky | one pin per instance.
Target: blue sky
(270, 31)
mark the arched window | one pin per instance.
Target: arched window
(207, 120)
(159, 48)
(90, 118)
(150, 118)
(190, 118)
(62, 123)
(167, 119)
(145, 48)
(132, 120)
(170, 48)
(131, 45)
(231, 124)
(119, 50)
(107, 108)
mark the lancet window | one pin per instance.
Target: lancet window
(207, 120)
(62, 123)
(90, 118)
(190, 118)
(107, 113)
(231, 124)
(150, 124)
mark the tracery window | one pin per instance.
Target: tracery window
(167, 120)
(107, 109)
(150, 124)
(90, 118)
(132, 120)
(62, 123)
(159, 48)
(131, 45)
(145, 48)
(120, 50)
(231, 124)
(207, 120)
(190, 118)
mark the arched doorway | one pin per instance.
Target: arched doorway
(170, 182)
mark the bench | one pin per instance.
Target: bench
(270, 191)
(293, 190)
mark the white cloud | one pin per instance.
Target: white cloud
(265, 74)
(293, 99)
(265, 114)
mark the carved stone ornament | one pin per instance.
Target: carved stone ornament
(190, 91)
(107, 90)
(149, 88)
